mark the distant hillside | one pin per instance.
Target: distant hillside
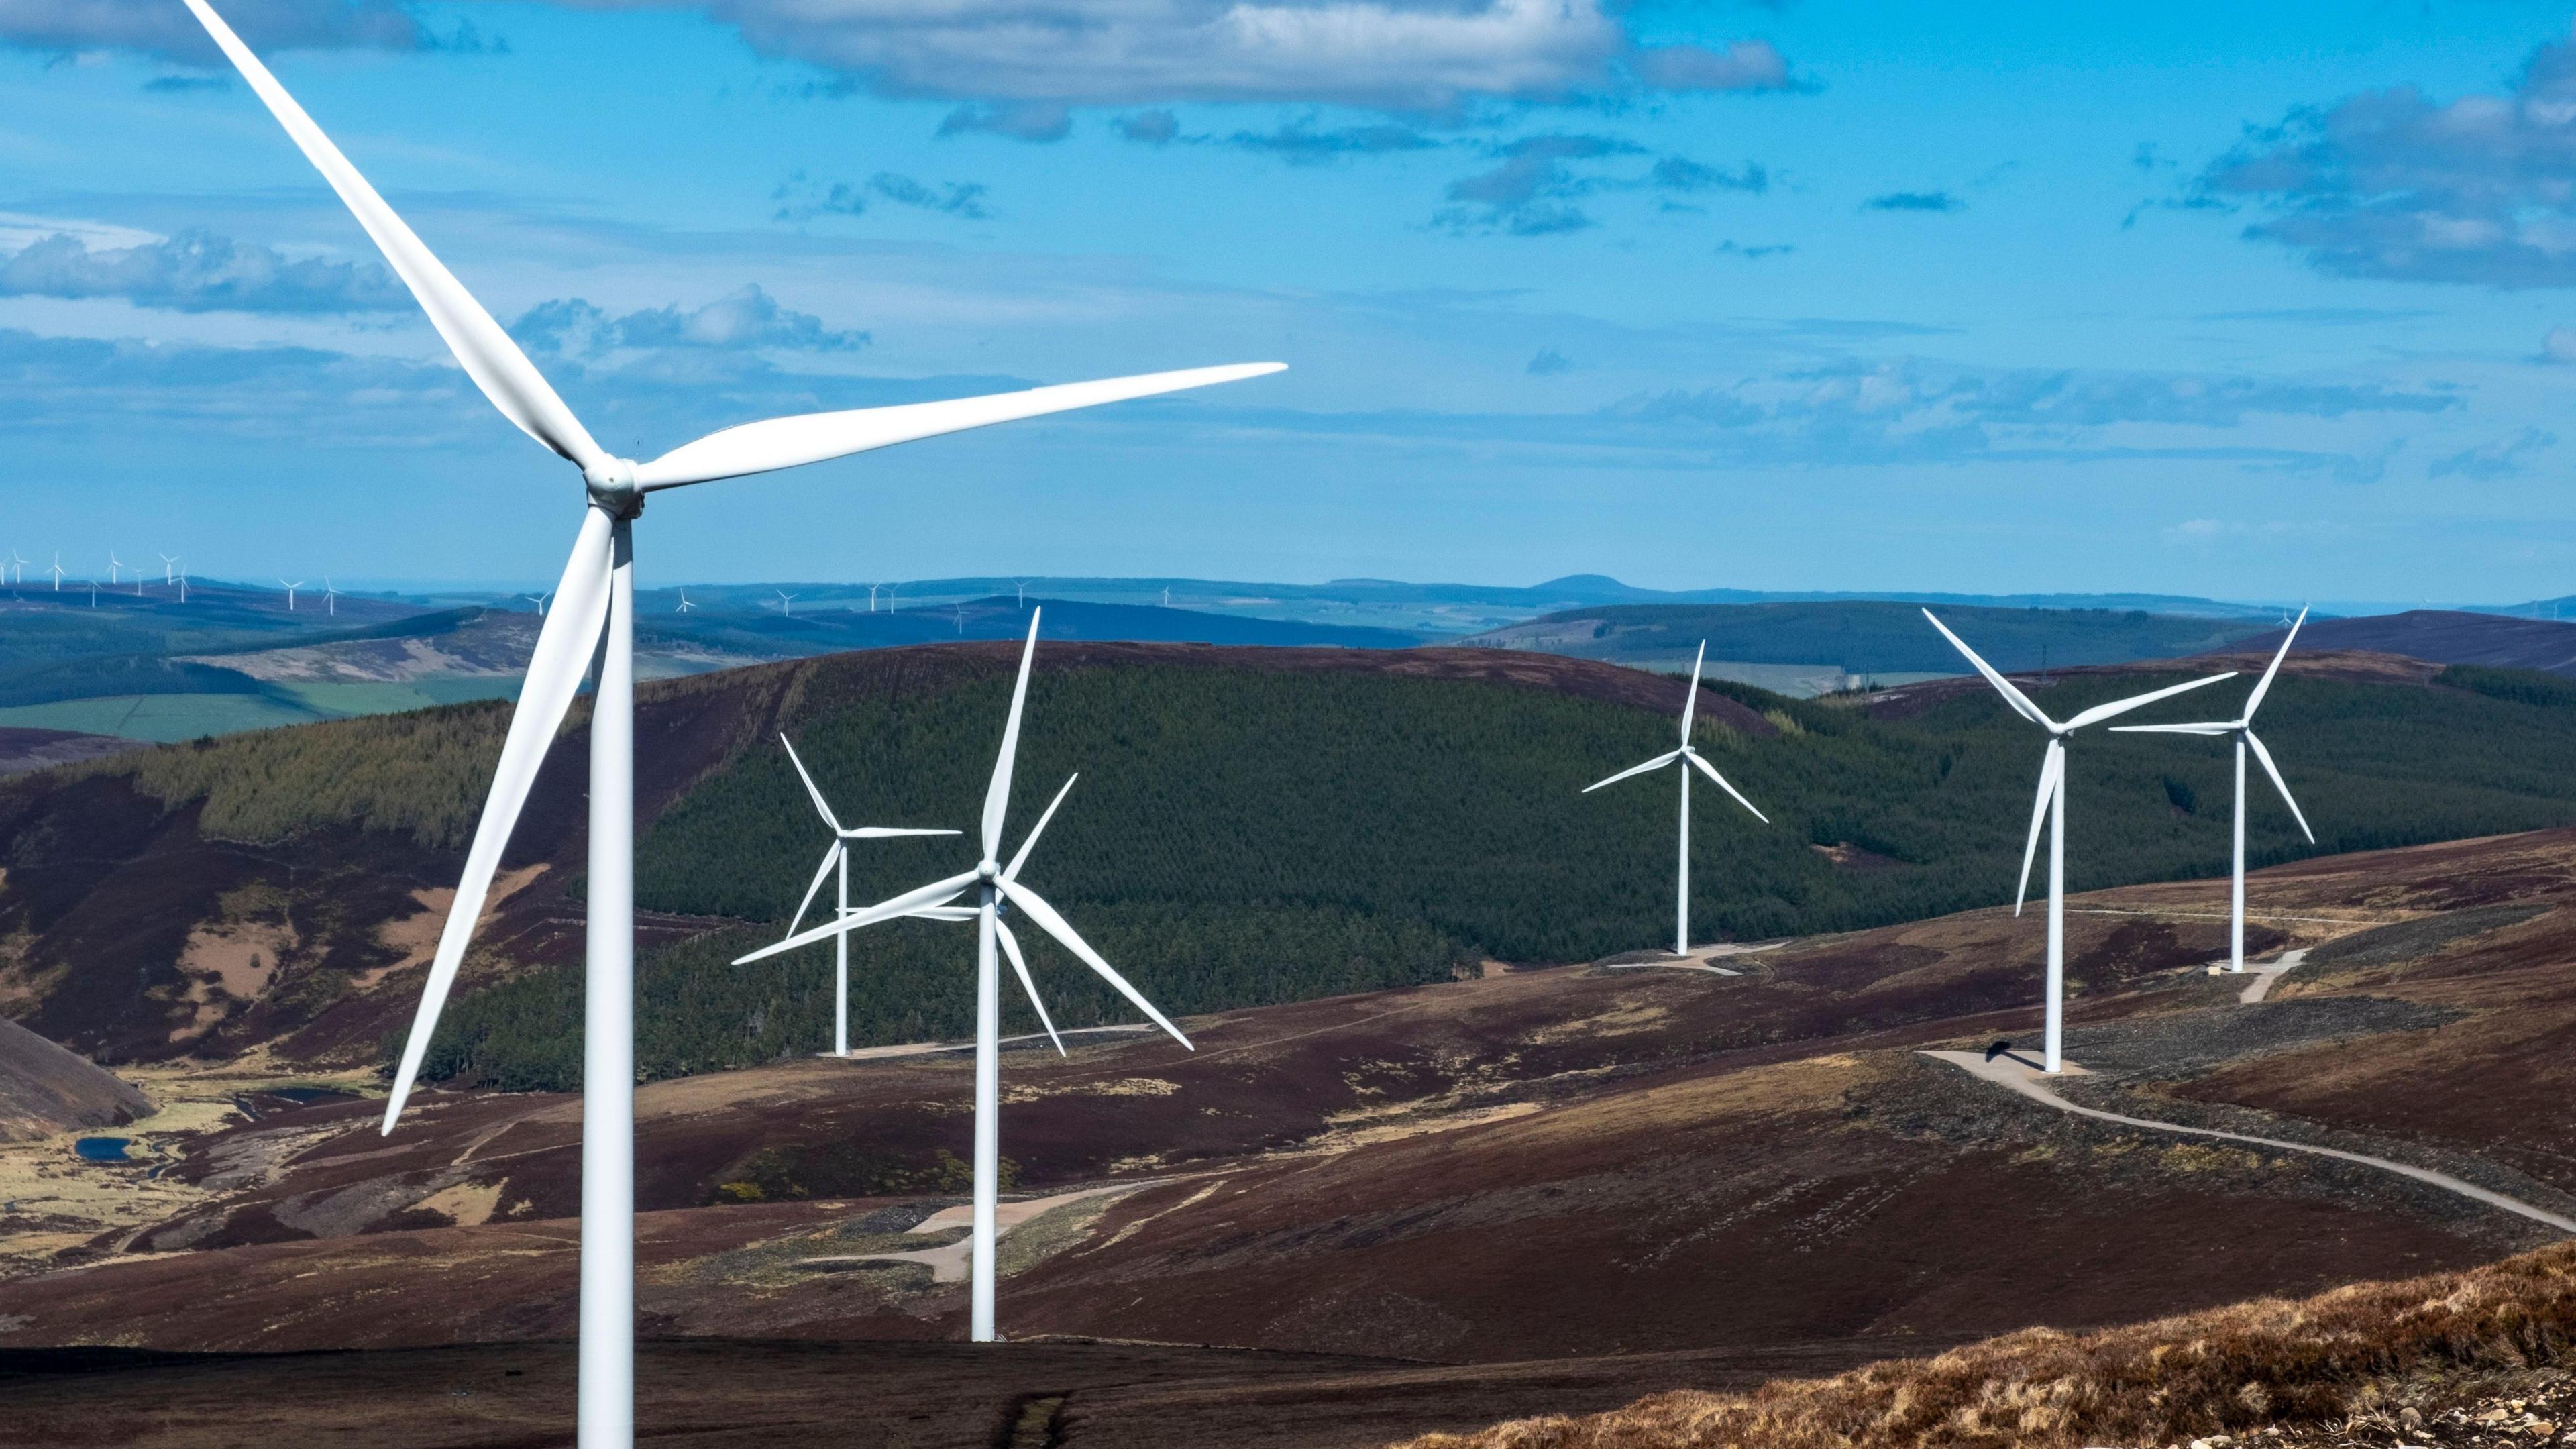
(1251, 826)
(1846, 641)
(2444, 636)
(45, 1089)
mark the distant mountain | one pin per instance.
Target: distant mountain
(1848, 639)
(793, 633)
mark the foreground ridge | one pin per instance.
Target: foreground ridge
(2298, 1365)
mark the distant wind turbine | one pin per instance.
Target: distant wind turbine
(598, 588)
(57, 571)
(169, 568)
(330, 597)
(1167, 596)
(116, 569)
(183, 586)
(21, 561)
(837, 858)
(961, 618)
(1688, 759)
(2242, 727)
(290, 592)
(994, 885)
(685, 605)
(1023, 586)
(539, 600)
(786, 604)
(872, 597)
(93, 593)
(2050, 808)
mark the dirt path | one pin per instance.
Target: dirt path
(2023, 1076)
(2267, 972)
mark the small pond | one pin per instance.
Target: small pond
(103, 1149)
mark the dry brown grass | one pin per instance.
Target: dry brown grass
(2224, 1370)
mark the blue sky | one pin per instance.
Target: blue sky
(2255, 301)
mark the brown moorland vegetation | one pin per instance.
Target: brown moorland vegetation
(2222, 1371)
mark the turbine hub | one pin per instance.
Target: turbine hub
(611, 484)
(989, 869)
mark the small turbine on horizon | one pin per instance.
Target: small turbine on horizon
(2050, 809)
(169, 568)
(57, 571)
(539, 600)
(994, 884)
(685, 605)
(116, 569)
(837, 858)
(1688, 759)
(2242, 727)
(330, 598)
(290, 592)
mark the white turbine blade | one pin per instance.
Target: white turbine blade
(812, 437)
(997, 795)
(1690, 701)
(822, 808)
(887, 832)
(1020, 964)
(945, 913)
(2281, 785)
(1056, 926)
(2019, 701)
(495, 363)
(2263, 686)
(562, 656)
(1021, 857)
(1710, 770)
(822, 873)
(2101, 712)
(1657, 763)
(2174, 729)
(2049, 770)
(937, 893)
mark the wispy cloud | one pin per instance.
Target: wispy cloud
(748, 319)
(197, 271)
(1532, 192)
(2500, 459)
(1549, 362)
(1039, 121)
(1914, 201)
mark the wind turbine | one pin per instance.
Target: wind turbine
(330, 597)
(961, 618)
(21, 560)
(93, 593)
(539, 600)
(57, 571)
(994, 884)
(598, 584)
(183, 586)
(872, 597)
(290, 592)
(786, 604)
(169, 568)
(1023, 586)
(838, 859)
(2050, 807)
(685, 605)
(2242, 727)
(116, 569)
(1687, 758)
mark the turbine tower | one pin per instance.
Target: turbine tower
(1688, 759)
(598, 587)
(57, 571)
(169, 568)
(994, 884)
(21, 561)
(2050, 807)
(837, 858)
(116, 569)
(290, 592)
(2242, 727)
(330, 598)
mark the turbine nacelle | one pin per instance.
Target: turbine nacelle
(611, 485)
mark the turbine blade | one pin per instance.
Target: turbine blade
(937, 893)
(1657, 763)
(944, 913)
(2173, 729)
(1056, 926)
(488, 355)
(2020, 702)
(562, 656)
(2101, 712)
(2049, 769)
(887, 832)
(1710, 770)
(1020, 964)
(997, 795)
(1022, 857)
(812, 437)
(2263, 686)
(823, 872)
(1690, 701)
(820, 807)
(2281, 785)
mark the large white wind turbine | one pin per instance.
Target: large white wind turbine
(837, 858)
(597, 590)
(2242, 727)
(2050, 807)
(995, 884)
(1688, 759)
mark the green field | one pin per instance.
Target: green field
(161, 718)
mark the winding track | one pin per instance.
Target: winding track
(2025, 1077)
